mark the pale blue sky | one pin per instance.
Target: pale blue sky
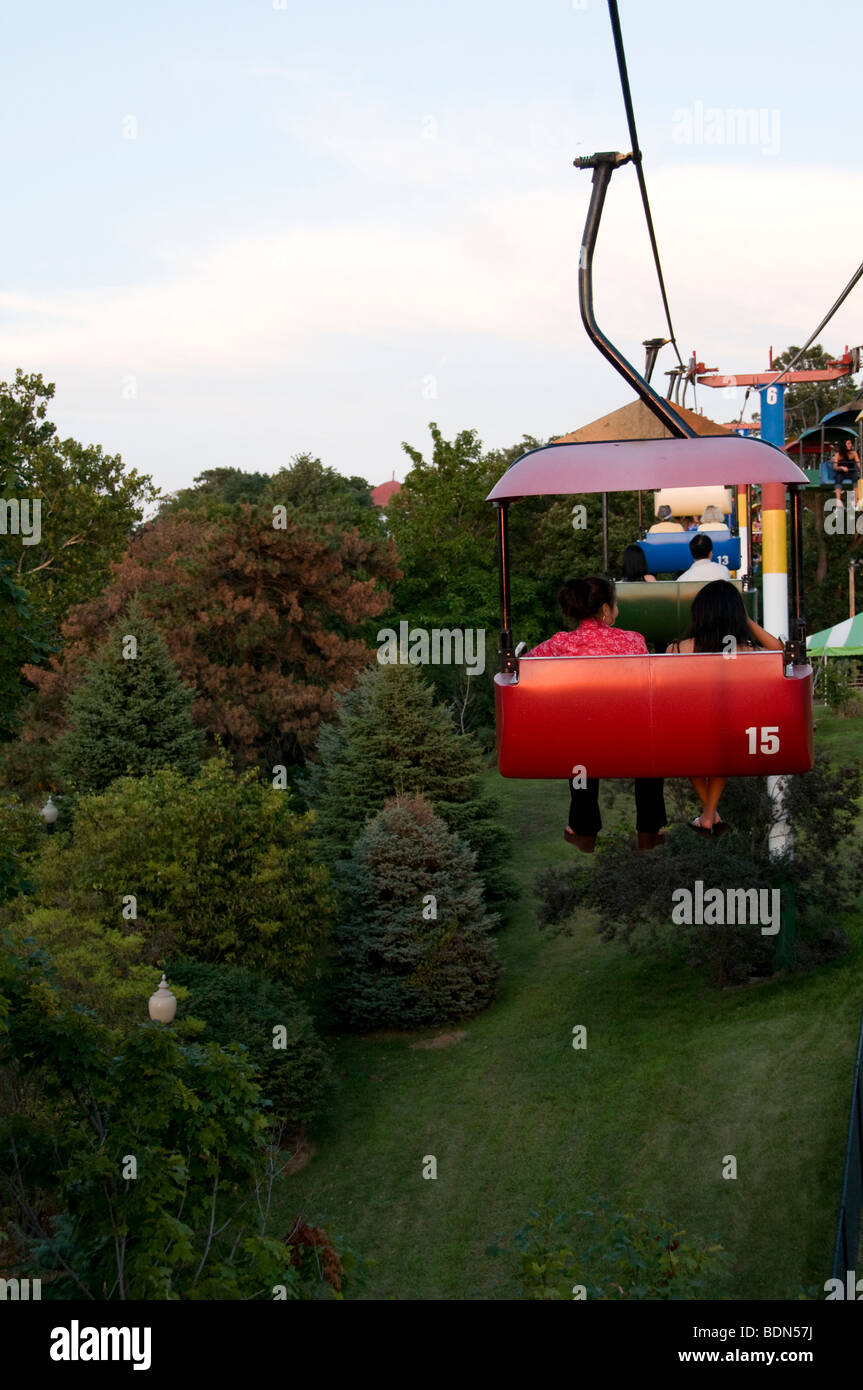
(335, 223)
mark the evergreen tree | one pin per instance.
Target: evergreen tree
(392, 737)
(415, 939)
(239, 1006)
(130, 714)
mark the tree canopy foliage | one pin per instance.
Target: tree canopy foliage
(119, 1148)
(262, 623)
(90, 502)
(218, 868)
(23, 640)
(808, 402)
(446, 536)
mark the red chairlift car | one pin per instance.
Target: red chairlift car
(656, 715)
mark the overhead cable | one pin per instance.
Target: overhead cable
(823, 324)
(636, 157)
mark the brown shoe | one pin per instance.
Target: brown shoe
(650, 839)
(586, 843)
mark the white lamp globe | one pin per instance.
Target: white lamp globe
(163, 1004)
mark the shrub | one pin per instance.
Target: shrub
(832, 682)
(613, 1255)
(95, 965)
(414, 938)
(221, 868)
(190, 1222)
(21, 836)
(632, 893)
(241, 1007)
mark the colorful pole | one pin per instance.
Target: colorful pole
(774, 557)
(743, 528)
(774, 580)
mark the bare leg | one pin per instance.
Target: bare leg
(700, 787)
(715, 787)
(708, 790)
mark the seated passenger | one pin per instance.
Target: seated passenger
(703, 566)
(713, 520)
(665, 522)
(719, 613)
(590, 609)
(846, 466)
(635, 565)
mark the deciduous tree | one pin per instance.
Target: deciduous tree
(263, 623)
(217, 868)
(90, 502)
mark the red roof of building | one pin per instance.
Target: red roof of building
(384, 491)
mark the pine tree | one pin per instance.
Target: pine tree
(415, 940)
(391, 738)
(130, 714)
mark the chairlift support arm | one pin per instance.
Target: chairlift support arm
(603, 166)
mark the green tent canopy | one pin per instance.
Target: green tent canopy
(845, 639)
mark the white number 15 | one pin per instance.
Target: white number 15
(769, 739)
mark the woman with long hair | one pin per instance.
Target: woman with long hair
(846, 465)
(635, 565)
(589, 607)
(719, 623)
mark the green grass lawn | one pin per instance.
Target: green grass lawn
(676, 1075)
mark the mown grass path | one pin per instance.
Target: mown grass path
(676, 1075)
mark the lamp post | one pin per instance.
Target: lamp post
(49, 814)
(852, 566)
(163, 1004)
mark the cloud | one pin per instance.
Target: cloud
(744, 257)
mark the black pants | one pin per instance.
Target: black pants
(584, 817)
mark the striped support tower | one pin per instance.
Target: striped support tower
(774, 555)
(774, 578)
(742, 530)
(774, 560)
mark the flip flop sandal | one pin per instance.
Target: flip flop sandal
(720, 828)
(699, 828)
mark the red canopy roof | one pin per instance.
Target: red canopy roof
(384, 491)
(564, 469)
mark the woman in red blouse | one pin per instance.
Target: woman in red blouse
(590, 607)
